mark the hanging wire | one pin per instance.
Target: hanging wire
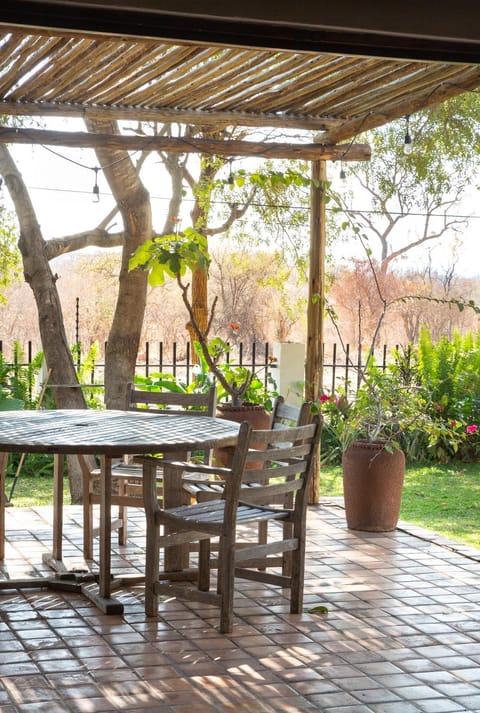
(95, 169)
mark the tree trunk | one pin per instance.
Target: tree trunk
(199, 286)
(63, 378)
(133, 201)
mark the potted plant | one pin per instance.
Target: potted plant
(371, 432)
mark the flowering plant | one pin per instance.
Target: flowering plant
(400, 414)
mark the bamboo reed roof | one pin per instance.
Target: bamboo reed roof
(337, 96)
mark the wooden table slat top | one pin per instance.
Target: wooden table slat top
(88, 431)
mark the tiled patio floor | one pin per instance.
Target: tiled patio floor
(402, 632)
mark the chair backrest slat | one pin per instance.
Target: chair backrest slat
(287, 460)
(286, 415)
(171, 402)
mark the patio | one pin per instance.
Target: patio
(402, 632)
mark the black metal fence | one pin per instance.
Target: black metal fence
(342, 365)
(177, 360)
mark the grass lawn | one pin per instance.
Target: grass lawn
(442, 498)
(34, 490)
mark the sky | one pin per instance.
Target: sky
(61, 187)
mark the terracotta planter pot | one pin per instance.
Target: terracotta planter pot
(372, 485)
(253, 413)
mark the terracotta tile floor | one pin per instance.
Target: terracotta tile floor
(402, 632)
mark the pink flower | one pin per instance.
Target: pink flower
(324, 398)
(473, 428)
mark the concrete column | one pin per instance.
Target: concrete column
(289, 370)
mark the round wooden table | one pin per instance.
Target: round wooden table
(107, 434)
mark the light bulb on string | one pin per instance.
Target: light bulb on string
(96, 189)
(407, 142)
(343, 175)
(230, 179)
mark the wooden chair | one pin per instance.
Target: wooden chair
(203, 489)
(283, 416)
(127, 476)
(286, 467)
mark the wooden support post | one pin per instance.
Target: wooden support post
(316, 295)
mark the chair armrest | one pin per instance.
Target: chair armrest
(197, 468)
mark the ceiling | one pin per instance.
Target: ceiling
(67, 73)
(411, 29)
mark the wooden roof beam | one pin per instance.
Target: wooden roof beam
(181, 116)
(305, 152)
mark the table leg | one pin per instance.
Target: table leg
(58, 463)
(101, 594)
(176, 556)
(54, 558)
(105, 558)
(3, 503)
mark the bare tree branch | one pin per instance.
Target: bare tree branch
(91, 238)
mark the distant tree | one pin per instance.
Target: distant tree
(414, 299)
(400, 202)
(257, 291)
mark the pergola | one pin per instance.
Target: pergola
(318, 71)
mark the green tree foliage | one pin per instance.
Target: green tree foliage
(10, 259)
(280, 211)
(429, 181)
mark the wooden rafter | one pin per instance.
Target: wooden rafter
(196, 117)
(68, 74)
(227, 148)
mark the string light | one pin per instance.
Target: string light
(230, 179)
(342, 174)
(407, 142)
(96, 189)
(96, 169)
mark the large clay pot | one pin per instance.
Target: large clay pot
(255, 414)
(372, 484)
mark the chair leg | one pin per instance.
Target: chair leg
(152, 548)
(262, 537)
(287, 556)
(122, 515)
(297, 577)
(87, 520)
(204, 565)
(226, 576)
